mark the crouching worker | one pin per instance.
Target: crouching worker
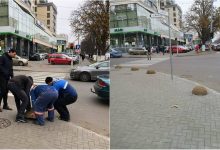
(67, 95)
(20, 87)
(43, 97)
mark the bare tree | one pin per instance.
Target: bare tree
(92, 19)
(200, 17)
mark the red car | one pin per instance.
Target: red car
(59, 59)
(179, 48)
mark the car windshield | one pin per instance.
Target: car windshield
(94, 65)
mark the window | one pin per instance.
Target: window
(48, 21)
(174, 8)
(174, 14)
(174, 19)
(48, 15)
(35, 9)
(48, 8)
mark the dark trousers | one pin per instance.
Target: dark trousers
(21, 98)
(60, 105)
(4, 91)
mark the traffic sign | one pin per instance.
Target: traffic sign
(77, 46)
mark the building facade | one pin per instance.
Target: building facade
(138, 23)
(47, 13)
(19, 29)
(62, 40)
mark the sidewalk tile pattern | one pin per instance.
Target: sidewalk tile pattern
(152, 111)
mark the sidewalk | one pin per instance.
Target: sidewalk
(153, 111)
(55, 135)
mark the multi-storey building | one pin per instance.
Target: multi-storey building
(47, 13)
(174, 11)
(140, 23)
(19, 29)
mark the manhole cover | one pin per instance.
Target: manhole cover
(4, 123)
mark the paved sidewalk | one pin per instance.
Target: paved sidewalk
(152, 111)
(55, 135)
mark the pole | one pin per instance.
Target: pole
(124, 34)
(171, 63)
(211, 26)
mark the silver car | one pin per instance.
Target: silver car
(19, 61)
(90, 72)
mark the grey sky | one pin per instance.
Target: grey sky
(186, 4)
(65, 7)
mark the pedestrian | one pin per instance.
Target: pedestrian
(6, 72)
(148, 52)
(20, 87)
(67, 95)
(43, 97)
(83, 56)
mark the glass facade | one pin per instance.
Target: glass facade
(132, 25)
(22, 28)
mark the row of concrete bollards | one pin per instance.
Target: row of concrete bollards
(197, 90)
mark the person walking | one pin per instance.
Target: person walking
(43, 97)
(67, 95)
(20, 87)
(6, 72)
(148, 52)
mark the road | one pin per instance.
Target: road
(88, 111)
(204, 69)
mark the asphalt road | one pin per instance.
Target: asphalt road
(89, 111)
(204, 69)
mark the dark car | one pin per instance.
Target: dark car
(115, 53)
(90, 72)
(35, 57)
(102, 86)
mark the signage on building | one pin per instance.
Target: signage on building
(118, 30)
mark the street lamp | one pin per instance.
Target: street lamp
(171, 61)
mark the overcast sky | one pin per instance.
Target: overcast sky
(65, 7)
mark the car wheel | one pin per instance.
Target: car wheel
(20, 63)
(85, 77)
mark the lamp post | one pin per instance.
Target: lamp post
(171, 61)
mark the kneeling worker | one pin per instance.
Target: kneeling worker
(67, 95)
(43, 97)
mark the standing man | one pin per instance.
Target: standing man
(67, 95)
(20, 87)
(6, 72)
(43, 97)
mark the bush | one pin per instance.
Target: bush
(118, 67)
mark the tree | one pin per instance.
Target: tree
(201, 16)
(92, 20)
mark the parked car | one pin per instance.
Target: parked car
(137, 51)
(35, 57)
(115, 53)
(179, 49)
(19, 61)
(102, 86)
(216, 47)
(75, 57)
(59, 59)
(90, 72)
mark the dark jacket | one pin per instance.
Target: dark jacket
(6, 66)
(23, 82)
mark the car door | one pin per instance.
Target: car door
(15, 60)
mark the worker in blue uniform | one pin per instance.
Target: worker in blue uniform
(43, 97)
(67, 95)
